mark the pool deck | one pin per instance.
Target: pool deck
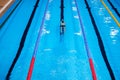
(4, 6)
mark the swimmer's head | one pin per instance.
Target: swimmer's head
(62, 22)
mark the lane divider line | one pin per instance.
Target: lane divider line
(113, 7)
(117, 22)
(29, 75)
(86, 45)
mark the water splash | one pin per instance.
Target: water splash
(73, 51)
(101, 11)
(113, 32)
(48, 49)
(48, 15)
(107, 19)
(45, 31)
(74, 8)
(76, 17)
(78, 33)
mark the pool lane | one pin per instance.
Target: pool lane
(93, 42)
(37, 44)
(22, 40)
(46, 58)
(27, 51)
(108, 27)
(75, 44)
(91, 64)
(12, 35)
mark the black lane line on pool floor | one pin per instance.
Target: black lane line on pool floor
(22, 40)
(62, 10)
(100, 42)
(115, 9)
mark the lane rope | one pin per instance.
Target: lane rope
(29, 75)
(86, 45)
(111, 14)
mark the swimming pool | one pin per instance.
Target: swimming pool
(31, 46)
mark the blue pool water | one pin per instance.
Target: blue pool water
(60, 57)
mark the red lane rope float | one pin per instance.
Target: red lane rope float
(86, 45)
(31, 69)
(92, 69)
(36, 46)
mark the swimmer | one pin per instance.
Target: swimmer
(62, 27)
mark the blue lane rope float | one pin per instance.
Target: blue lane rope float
(29, 75)
(86, 45)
